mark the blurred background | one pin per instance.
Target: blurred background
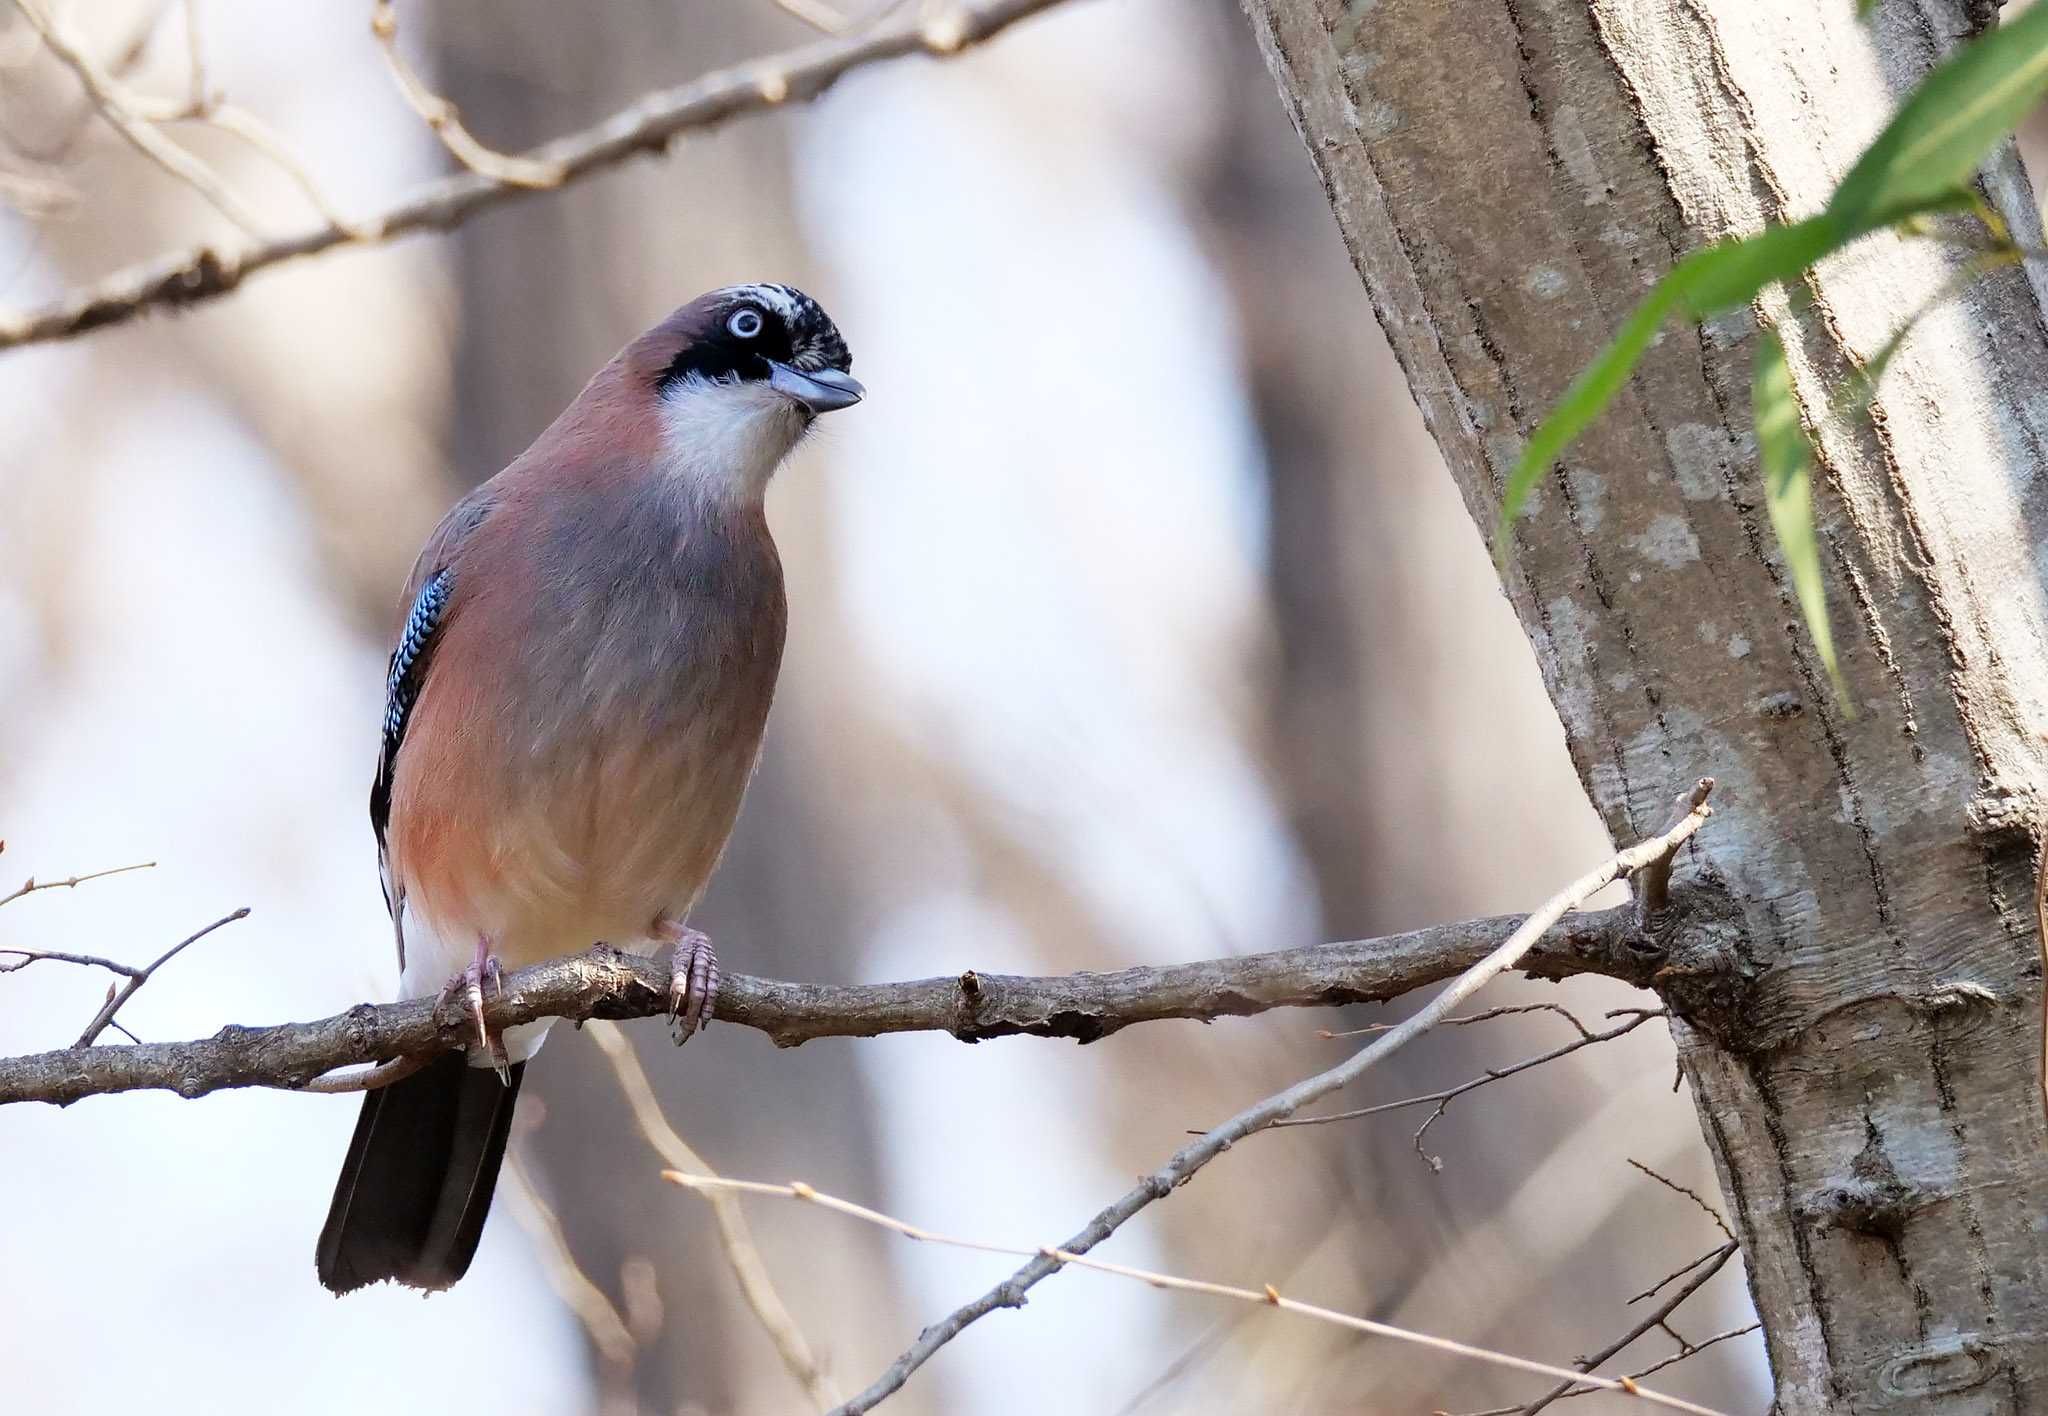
(1183, 648)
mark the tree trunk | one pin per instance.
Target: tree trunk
(1510, 178)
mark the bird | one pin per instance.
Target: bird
(573, 710)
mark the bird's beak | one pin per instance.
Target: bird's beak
(820, 392)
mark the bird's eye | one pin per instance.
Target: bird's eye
(745, 322)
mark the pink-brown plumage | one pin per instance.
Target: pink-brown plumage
(574, 709)
(594, 707)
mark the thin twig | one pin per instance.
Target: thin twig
(1181, 1167)
(114, 1005)
(742, 1255)
(819, 16)
(141, 134)
(1486, 1016)
(93, 961)
(1686, 1351)
(1708, 1210)
(240, 123)
(649, 125)
(1670, 1305)
(607, 1330)
(1444, 1098)
(31, 885)
(1680, 1272)
(970, 1006)
(201, 106)
(374, 1078)
(1267, 1295)
(441, 116)
(1689, 1350)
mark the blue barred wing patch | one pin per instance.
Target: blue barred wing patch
(408, 660)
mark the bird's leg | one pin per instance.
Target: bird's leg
(693, 977)
(470, 984)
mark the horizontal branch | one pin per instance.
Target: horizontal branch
(648, 125)
(970, 1006)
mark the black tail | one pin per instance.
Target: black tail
(417, 1183)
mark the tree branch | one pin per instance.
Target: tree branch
(649, 125)
(971, 1006)
(1689, 814)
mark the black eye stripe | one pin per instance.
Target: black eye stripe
(792, 330)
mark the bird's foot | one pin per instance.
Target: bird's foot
(693, 978)
(469, 985)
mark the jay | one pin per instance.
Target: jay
(573, 711)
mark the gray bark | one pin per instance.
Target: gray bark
(1510, 178)
(971, 1006)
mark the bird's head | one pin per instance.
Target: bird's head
(740, 375)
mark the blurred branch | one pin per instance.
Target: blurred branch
(1690, 812)
(648, 125)
(1266, 1296)
(31, 885)
(441, 116)
(601, 1320)
(734, 1237)
(141, 133)
(971, 1006)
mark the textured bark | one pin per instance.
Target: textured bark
(1510, 178)
(1692, 935)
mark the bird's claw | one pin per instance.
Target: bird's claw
(469, 986)
(693, 981)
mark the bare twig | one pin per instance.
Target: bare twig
(1680, 1272)
(240, 123)
(36, 956)
(734, 1237)
(607, 1330)
(441, 116)
(31, 885)
(1486, 1016)
(1686, 1350)
(141, 134)
(1444, 1098)
(649, 125)
(1267, 1296)
(1190, 1158)
(375, 1078)
(1652, 884)
(1655, 1319)
(202, 106)
(819, 16)
(1708, 1210)
(135, 981)
(971, 1006)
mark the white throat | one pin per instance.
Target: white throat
(726, 439)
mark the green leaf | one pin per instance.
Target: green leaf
(1787, 459)
(1864, 387)
(1720, 277)
(1938, 139)
(1921, 163)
